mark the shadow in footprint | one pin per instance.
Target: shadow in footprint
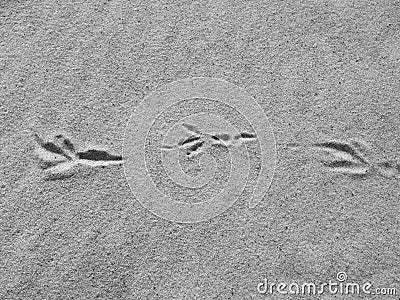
(343, 147)
(50, 146)
(98, 155)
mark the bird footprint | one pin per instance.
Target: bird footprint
(59, 157)
(198, 140)
(351, 158)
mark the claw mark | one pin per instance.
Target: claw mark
(68, 145)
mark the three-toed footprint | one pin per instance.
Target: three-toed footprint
(353, 158)
(58, 157)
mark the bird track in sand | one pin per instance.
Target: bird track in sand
(352, 158)
(57, 158)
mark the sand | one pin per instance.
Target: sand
(320, 71)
